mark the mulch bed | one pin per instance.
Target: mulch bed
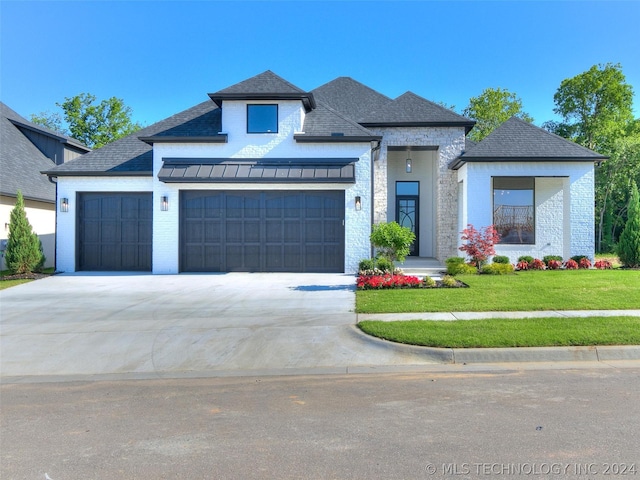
(25, 276)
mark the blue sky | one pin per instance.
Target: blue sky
(162, 57)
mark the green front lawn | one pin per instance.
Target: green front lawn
(523, 332)
(523, 291)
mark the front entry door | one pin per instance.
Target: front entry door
(407, 210)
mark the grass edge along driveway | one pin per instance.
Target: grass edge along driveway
(500, 333)
(523, 291)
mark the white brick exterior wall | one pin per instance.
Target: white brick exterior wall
(564, 199)
(166, 242)
(69, 187)
(450, 142)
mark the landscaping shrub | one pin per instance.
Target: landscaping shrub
(629, 242)
(24, 249)
(366, 266)
(479, 244)
(384, 265)
(497, 269)
(429, 282)
(392, 241)
(603, 265)
(554, 264)
(537, 264)
(501, 259)
(547, 258)
(522, 265)
(571, 264)
(449, 281)
(457, 266)
(525, 258)
(584, 263)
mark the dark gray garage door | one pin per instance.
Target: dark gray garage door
(114, 231)
(267, 231)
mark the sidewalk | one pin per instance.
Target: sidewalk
(604, 353)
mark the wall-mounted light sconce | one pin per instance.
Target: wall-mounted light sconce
(164, 203)
(408, 163)
(6, 226)
(64, 204)
(358, 203)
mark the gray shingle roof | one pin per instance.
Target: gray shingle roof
(130, 155)
(350, 97)
(324, 121)
(410, 109)
(265, 86)
(21, 161)
(517, 140)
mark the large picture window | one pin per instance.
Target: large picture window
(262, 118)
(513, 209)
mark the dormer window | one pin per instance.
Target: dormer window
(262, 118)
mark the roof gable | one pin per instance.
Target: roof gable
(410, 109)
(350, 97)
(517, 140)
(264, 86)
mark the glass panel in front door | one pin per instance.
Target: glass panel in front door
(407, 216)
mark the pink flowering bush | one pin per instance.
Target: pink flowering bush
(373, 282)
(571, 265)
(522, 265)
(479, 244)
(537, 264)
(554, 264)
(603, 265)
(584, 263)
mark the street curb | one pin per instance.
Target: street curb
(465, 356)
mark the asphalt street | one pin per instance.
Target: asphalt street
(545, 421)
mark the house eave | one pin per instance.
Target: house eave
(64, 140)
(221, 138)
(467, 125)
(336, 138)
(114, 173)
(458, 162)
(306, 98)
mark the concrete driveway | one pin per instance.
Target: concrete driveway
(141, 326)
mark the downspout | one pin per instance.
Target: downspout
(55, 235)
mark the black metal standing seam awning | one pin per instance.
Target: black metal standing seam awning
(262, 170)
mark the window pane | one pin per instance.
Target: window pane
(513, 212)
(407, 188)
(262, 118)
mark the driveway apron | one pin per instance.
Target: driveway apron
(175, 325)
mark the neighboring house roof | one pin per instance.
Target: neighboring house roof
(517, 140)
(21, 161)
(265, 86)
(132, 156)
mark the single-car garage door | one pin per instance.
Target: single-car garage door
(114, 231)
(262, 231)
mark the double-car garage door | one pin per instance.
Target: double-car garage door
(219, 231)
(262, 231)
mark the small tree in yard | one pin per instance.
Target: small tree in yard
(479, 244)
(392, 241)
(629, 242)
(24, 250)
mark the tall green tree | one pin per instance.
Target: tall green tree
(24, 250)
(629, 245)
(491, 108)
(94, 124)
(595, 108)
